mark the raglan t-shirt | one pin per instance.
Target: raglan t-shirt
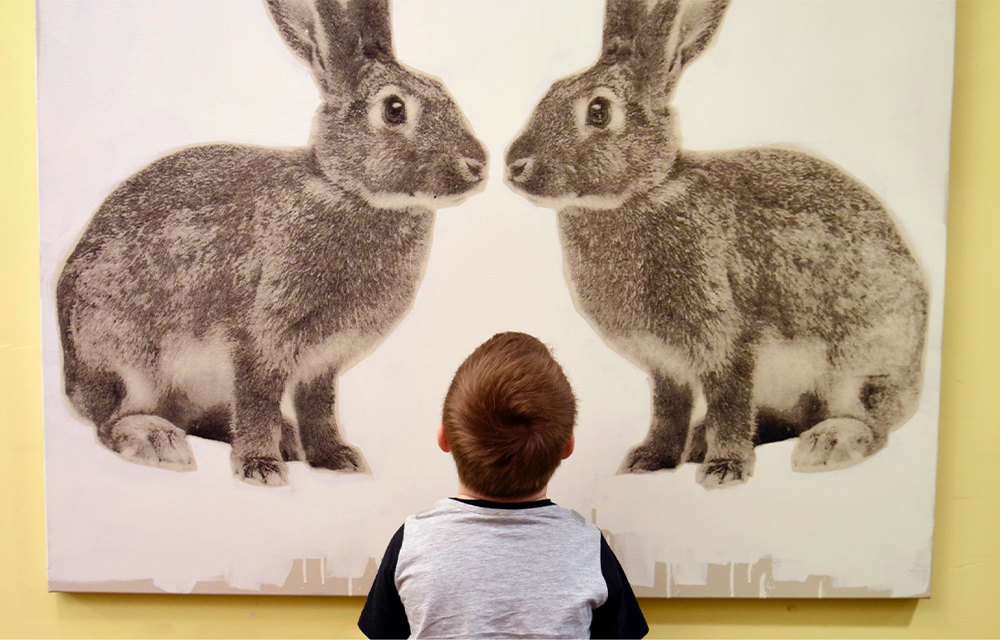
(480, 569)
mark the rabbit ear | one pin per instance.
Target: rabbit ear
(334, 40)
(296, 22)
(314, 33)
(622, 22)
(674, 34)
(699, 22)
(374, 23)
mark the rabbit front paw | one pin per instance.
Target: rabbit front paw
(264, 471)
(644, 458)
(716, 473)
(149, 440)
(336, 457)
(833, 444)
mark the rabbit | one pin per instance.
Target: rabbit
(222, 289)
(767, 293)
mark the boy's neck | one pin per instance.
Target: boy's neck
(468, 494)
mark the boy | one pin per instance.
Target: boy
(501, 560)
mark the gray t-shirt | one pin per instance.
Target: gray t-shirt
(479, 569)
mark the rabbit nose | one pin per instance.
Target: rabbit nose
(520, 170)
(471, 170)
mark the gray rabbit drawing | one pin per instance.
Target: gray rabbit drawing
(220, 291)
(767, 293)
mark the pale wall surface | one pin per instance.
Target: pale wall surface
(966, 584)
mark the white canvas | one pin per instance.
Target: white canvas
(865, 85)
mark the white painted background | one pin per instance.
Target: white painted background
(865, 83)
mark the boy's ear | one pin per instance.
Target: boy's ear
(568, 451)
(442, 437)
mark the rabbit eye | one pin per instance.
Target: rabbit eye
(394, 111)
(599, 112)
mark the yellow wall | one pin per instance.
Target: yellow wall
(966, 570)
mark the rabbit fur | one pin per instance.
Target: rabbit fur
(767, 293)
(221, 290)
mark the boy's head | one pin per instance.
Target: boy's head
(508, 417)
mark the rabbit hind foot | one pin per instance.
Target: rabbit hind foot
(337, 457)
(836, 443)
(721, 472)
(260, 470)
(647, 457)
(148, 440)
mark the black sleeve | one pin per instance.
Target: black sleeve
(383, 615)
(620, 616)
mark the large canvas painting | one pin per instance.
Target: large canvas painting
(270, 232)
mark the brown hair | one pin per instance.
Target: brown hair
(509, 416)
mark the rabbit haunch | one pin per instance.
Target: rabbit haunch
(221, 290)
(767, 293)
